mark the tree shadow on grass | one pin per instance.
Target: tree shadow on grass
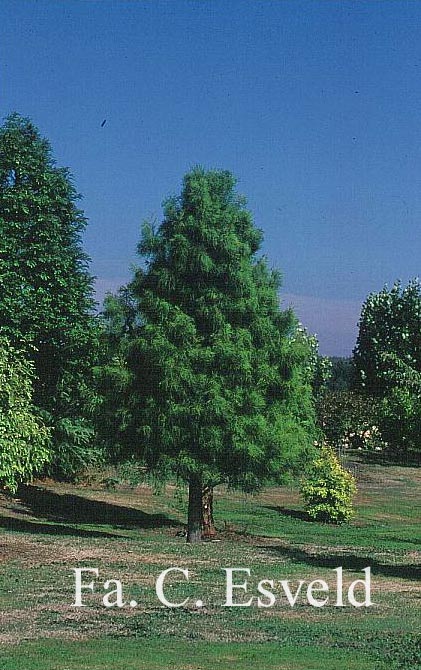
(292, 513)
(62, 509)
(34, 527)
(347, 561)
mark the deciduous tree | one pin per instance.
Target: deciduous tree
(387, 360)
(45, 286)
(24, 439)
(389, 331)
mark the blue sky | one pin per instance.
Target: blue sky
(315, 107)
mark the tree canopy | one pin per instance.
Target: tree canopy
(24, 439)
(387, 361)
(389, 338)
(45, 286)
(220, 388)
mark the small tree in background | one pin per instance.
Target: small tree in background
(24, 439)
(389, 331)
(400, 410)
(219, 389)
(400, 424)
(328, 489)
(320, 372)
(387, 361)
(45, 287)
(342, 374)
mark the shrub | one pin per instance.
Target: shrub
(400, 424)
(75, 449)
(24, 439)
(329, 489)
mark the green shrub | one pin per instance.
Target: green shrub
(74, 448)
(329, 489)
(24, 439)
(400, 424)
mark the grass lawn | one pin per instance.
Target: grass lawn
(132, 535)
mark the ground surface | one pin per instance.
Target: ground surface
(133, 535)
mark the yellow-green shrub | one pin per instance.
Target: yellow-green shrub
(329, 489)
(24, 439)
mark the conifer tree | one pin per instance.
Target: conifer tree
(219, 384)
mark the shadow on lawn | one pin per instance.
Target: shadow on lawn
(347, 561)
(292, 513)
(23, 526)
(73, 509)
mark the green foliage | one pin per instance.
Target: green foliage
(349, 419)
(388, 364)
(322, 374)
(400, 423)
(342, 374)
(220, 388)
(112, 376)
(24, 439)
(329, 489)
(389, 338)
(119, 321)
(319, 368)
(74, 451)
(45, 287)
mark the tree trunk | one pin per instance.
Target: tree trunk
(208, 524)
(194, 522)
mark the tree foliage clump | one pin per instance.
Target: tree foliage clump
(349, 420)
(24, 439)
(342, 374)
(45, 286)
(118, 321)
(328, 489)
(388, 349)
(219, 390)
(387, 361)
(400, 424)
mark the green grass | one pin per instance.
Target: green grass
(132, 654)
(132, 535)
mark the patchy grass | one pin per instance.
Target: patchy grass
(130, 655)
(133, 535)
